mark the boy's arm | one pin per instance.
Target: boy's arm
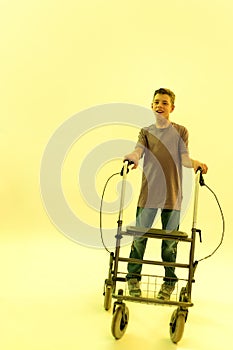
(191, 163)
(135, 156)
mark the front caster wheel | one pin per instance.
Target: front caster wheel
(177, 326)
(120, 321)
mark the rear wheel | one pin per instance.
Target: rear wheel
(120, 321)
(177, 326)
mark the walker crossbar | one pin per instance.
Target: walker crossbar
(153, 262)
(154, 301)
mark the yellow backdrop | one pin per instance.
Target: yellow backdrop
(61, 57)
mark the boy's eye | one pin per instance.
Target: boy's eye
(157, 102)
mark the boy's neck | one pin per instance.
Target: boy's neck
(162, 123)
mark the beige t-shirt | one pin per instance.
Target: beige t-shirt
(162, 167)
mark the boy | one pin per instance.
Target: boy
(164, 146)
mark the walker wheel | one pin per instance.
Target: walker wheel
(177, 326)
(120, 321)
(107, 296)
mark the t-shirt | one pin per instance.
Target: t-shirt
(162, 166)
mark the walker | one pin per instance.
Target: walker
(115, 286)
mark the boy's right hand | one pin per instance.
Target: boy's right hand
(133, 157)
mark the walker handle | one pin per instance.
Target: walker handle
(201, 180)
(129, 163)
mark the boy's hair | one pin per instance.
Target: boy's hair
(164, 91)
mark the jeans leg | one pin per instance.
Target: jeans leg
(170, 221)
(144, 218)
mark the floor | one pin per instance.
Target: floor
(51, 298)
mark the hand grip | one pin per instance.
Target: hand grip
(129, 163)
(201, 181)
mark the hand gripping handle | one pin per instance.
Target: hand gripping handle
(129, 162)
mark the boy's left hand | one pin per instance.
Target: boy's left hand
(203, 166)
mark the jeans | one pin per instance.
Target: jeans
(145, 218)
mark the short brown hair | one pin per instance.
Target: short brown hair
(164, 91)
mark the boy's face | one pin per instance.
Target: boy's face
(162, 105)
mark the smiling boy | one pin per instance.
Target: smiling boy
(164, 146)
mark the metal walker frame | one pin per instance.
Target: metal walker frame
(120, 310)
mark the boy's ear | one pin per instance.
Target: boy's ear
(172, 109)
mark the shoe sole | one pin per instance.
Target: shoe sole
(135, 294)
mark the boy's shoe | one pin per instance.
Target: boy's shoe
(134, 288)
(165, 291)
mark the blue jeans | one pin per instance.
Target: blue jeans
(145, 218)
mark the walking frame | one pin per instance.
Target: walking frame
(115, 278)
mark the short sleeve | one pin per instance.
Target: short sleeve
(142, 140)
(184, 140)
